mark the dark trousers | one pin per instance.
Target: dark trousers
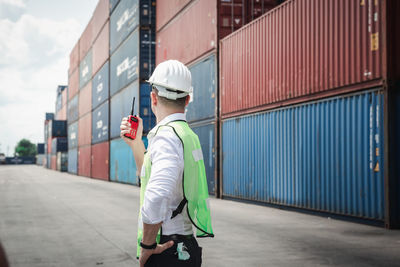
(170, 256)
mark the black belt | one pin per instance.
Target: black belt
(176, 237)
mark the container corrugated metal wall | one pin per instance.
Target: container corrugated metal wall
(73, 84)
(123, 21)
(73, 135)
(122, 164)
(85, 99)
(73, 114)
(58, 128)
(100, 16)
(148, 13)
(100, 164)
(147, 52)
(85, 69)
(204, 81)
(121, 105)
(74, 59)
(86, 40)
(149, 119)
(124, 64)
(299, 51)
(85, 130)
(84, 160)
(113, 5)
(101, 48)
(62, 161)
(100, 124)
(180, 39)
(206, 134)
(73, 160)
(100, 86)
(325, 156)
(166, 10)
(59, 144)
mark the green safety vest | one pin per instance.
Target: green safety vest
(194, 183)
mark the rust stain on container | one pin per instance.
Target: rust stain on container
(301, 49)
(100, 157)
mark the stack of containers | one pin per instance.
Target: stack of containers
(132, 49)
(57, 143)
(61, 103)
(180, 36)
(47, 145)
(40, 157)
(302, 108)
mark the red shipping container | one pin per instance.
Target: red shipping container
(232, 16)
(166, 10)
(74, 59)
(73, 84)
(255, 8)
(100, 16)
(192, 34)
(49, 142)
(85, 99)
(86, 40)
(62, 113)
(84, 161)
(300, 51)
(101, 48)
(64, 97)
(85, 130)
(100, 159)
(53, 164)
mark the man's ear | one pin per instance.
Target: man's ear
(187, 100)
(153, 97)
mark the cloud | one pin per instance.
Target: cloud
(16, 3)
(34, 60)
(12, 9)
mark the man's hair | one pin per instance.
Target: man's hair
(178, 103)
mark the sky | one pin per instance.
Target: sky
(36, 38)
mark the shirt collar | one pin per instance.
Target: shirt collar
(166, 120)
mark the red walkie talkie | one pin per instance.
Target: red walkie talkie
(134, 121)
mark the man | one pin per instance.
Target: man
(174, 193)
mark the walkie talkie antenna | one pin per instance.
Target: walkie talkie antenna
(133, 106)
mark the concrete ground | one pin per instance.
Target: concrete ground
(48, 218)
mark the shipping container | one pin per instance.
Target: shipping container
(325, 156)
(57, 128)
(53, 164)
(40, 159)
(180, 39)
(147, 52)
(100, 16)
(84, 161)
(122, 163)
(62, 114)
(206, 133)
(100, 131)
(20, 160)
(255, 8)
(100, 165)
(64, 97)
(49, 116)
(62, 161)
(59, 144)
(73, 135)
(232, 16)
(113, 5)
(85, 69)
(73, 84)
(121, 105)
(124, 64)
(147, 13)
(40, 148)
(73, 110)
(86, 40)
(85, 99)
(85, 130)
(48, 145)
(146, 114)
(101, 48)
(74, 59)
(100, 86)
(301, 51)
(167, 10)
(73, 160)
(202, 104)
(123, 21)
(48, 161)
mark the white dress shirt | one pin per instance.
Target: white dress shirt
(164, 189)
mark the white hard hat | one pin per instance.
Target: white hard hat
(171, 76)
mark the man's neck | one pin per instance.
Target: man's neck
(166, 112)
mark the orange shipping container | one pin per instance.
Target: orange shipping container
(84, 161)
(85, 130)
(166, 10)
(100, 161)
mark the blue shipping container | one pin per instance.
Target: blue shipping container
(100, 86)
(206, 134)
(121, 105)
(73, 135)
(202, 106)
(73, 160)
(325, 156)
(124, 19)
(59, 144)
(58, 128)
(100, 124)
(85, 70)
(40, 148)
(113, 5)
(148, 13)
(73, 109)
(49, 116)
(125, 64)
(48, 161)
(149, 120)
(147, 52)
(122, 163)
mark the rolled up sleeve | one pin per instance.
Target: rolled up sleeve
(166, 154)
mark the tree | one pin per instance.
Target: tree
(25, 148)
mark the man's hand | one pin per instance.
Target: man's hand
(146, 253)
(126, 127)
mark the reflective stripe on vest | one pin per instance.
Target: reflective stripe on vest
(194, 182)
